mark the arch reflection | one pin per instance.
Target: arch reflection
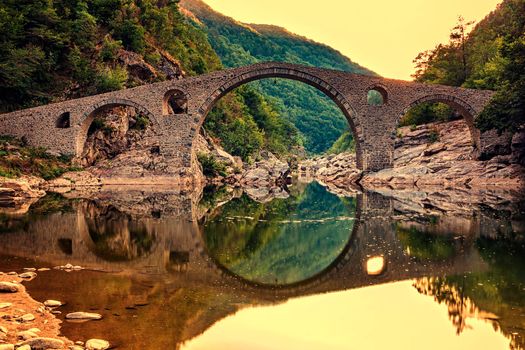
(283, 242)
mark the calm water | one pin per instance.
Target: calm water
(305, 270)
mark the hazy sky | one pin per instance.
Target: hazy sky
(383, 35)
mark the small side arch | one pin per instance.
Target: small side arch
(465, 109)
(175, 101)
(377, 95)
(89, 115)
(63, 121)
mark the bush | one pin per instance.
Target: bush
(141, 122)
(109, 79)
(434, 136)
(211, 167)
(110, 49)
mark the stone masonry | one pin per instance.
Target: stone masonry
(63, 127)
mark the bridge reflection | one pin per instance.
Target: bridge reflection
(159, 246)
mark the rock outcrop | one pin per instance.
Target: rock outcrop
(17, 195)
(437, 154)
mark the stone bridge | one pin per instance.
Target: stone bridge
(63, 127)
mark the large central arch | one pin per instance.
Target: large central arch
(291, 74)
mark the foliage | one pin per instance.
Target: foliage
(211, 167)
(18, 159)
(491, 56)
(283, 241)
(111, 79)
(48, 46)
(345, 143)
(425, 246)
(319, 120)
(425, 113)
(141, 122)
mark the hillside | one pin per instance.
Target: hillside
(56, 50)
(318, 119)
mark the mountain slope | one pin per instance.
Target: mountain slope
(319, 120)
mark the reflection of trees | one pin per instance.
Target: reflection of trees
(426, 246)
(495, 295)
(115, 235)
(49, 204)
(283, 241)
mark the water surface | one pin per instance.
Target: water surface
(306, 270)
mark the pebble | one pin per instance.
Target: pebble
(25, 335)
(44, 343)
(8, 287)
(29, 269)
(5, 305)
(12, 273)
(52, 303)
(27, 275)
(83, 316)
(97, 344)
(44, 269)
(26, 318)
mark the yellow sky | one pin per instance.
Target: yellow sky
(383, 35)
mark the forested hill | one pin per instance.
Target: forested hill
(318, 119)
(491, 56)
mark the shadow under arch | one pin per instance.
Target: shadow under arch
(291, 289)
(464, 108)
(89, 115)
(277, 71)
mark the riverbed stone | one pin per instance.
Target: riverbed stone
(83, 316)
(27, 275)
(5, 305)
(97, 344)
(26, 335)
(8, 287)
(26, 318)
(44, 343)
(52, 303)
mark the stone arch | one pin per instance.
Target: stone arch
(291, 74)
(89, 114)
(464, 108)
(175, 101)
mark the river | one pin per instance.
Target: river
(303, 269)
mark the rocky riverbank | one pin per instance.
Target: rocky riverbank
(26, 324)
(431, 155)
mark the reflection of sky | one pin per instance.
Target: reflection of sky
(391, 316)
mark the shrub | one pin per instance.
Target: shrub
(211, 167)
(141, 122)
(434, 136)
(110, 49)
(111, 79)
